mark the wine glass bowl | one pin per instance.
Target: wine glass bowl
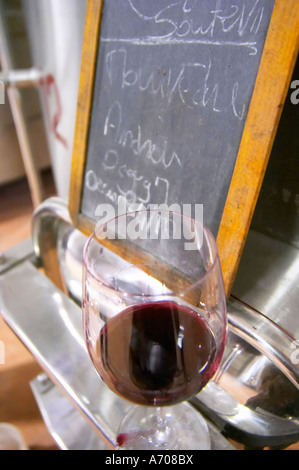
(155, 322)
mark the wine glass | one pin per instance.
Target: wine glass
(154, 315)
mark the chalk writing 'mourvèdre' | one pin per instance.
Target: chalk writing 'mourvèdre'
(191, 82)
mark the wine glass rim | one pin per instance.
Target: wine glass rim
(135, 294)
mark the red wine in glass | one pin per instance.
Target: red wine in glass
(157, 353)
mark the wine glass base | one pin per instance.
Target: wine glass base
(179, 427)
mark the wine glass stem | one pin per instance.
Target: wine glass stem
(162, 433)
(160, 419)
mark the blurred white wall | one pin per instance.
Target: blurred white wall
(56, 29)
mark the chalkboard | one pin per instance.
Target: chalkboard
(165, 96)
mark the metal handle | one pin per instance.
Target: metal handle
(265, 335)
(46, 220)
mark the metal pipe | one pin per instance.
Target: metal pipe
(22, 78)
(18, 117)
(45, 223)
(265, 336)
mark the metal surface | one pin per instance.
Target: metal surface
(268, 280)
(254, 429)
(66, 425)
(266, 336)
(45, 219)
(250, 399)
(48, 219)
(16, 255)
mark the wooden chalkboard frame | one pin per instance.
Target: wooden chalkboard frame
(265, 109)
